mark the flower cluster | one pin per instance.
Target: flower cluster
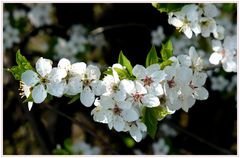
(121, 96)
(197, 19)
(78, 42)
(225, 53)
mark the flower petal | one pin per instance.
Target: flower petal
(93, 72)
(215, 58)
(183, 75)
(64, 64)
(56, 75)
(127, 86)
(200, 93)
(135, 133)
(130, 115)
(39, 94)
(74, 86)
(43, 66)
(30, 78)
(139, 71)
(87, 97)
(30, 104)
(150, 100)
(140, 88)
(78, 68)
(118, 123)
(56, 89)
(185, 60)
(98, 87)
(152, 68)
(199, 79)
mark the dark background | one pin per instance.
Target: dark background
(208, 128)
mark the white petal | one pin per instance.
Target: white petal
(150, 100)
(183, 75)
(107, 102)
(43, 66)
(130, 115)
(184, 60)
(199, 79)
(56, 89)
(120, 95)
(215, 58)
(193, 54)
(93, 72)
(210, 10)
(56, 75)
(118, 123)
(124, 105)
(30, 78)
(141, 126)
(127, 86)
(74, 86)
(196, 28)
(64, 64)
(87, 97)
(158, 76)
(98, 87)
(140, 88)
(30, 104)
(78, 68)
(135, 133)
(152, 68)
(39, 94)
(176, 22)
(216, 45)
(200, 93)
(188, 32)
(139, 71)
(156, 89)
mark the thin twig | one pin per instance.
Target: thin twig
(106, 145)
(106, 28)
(214, 146)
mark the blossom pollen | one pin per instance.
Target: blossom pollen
(117, 110)
(147, 81)
(137, 97)
(171, 83)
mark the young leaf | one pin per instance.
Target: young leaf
(151, 117)
(122, 59)
(23, 65)
(168, 7)
(152, 57)
(165, 63)
(150, 121)
(167, 50)
(75, 98)
(122, 73)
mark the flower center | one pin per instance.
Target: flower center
(137, 97)
(147, 81)
(44, 80)
(117, 110)
(171, 83)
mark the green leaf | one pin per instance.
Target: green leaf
(150, 121)
(122, 59)
(29, 99)
(108, 71)
(75, 98)
(123, 74)
(22, 66)
(152, 57)
(151, 117)
(165, 63)
(68, 145)
(168, 7)
(167, 50)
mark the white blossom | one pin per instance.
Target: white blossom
(160, 147)
(46, 80)
(158, 36)
(225, 53)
